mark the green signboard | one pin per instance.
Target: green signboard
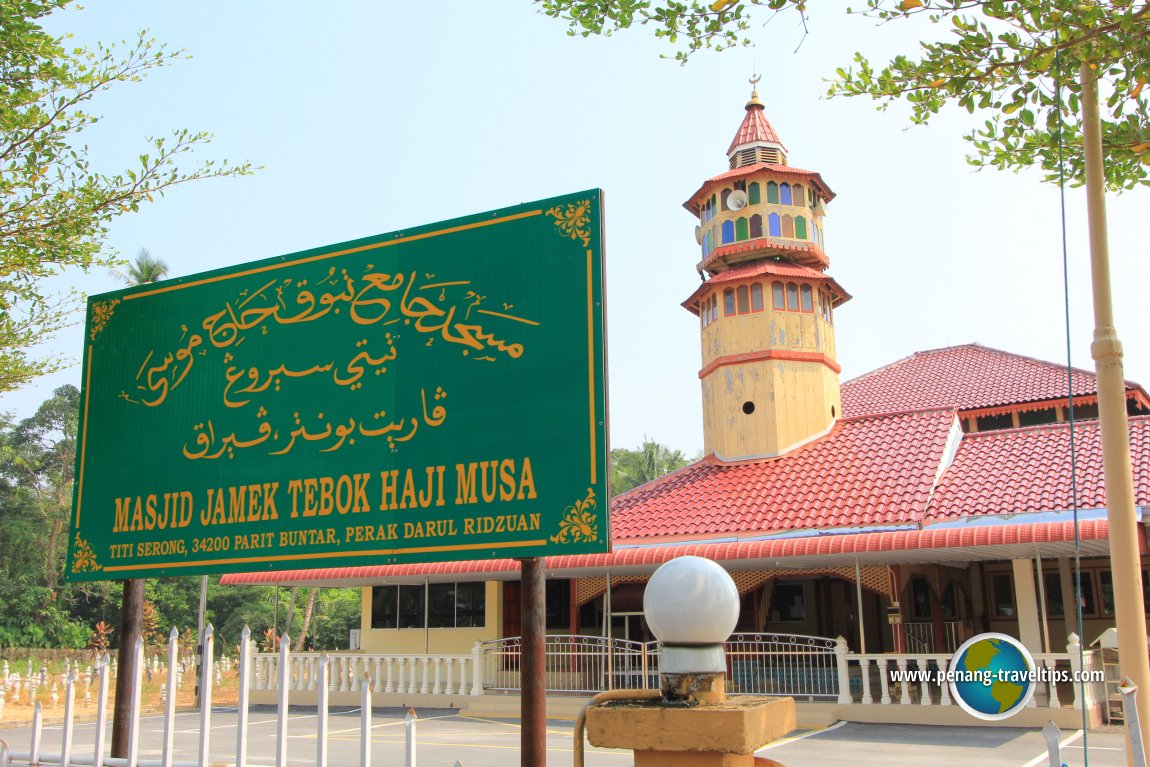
(426, 395)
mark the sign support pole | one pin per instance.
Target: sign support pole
(533, 703)
(127, 669)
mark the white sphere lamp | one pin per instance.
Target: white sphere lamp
(691, 605)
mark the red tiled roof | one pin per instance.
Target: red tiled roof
(896, 542)
(964, 377)
(780, 170)
(773, 268)
(1025, 470)
(867, 471)
(807, 251)
(755, 128)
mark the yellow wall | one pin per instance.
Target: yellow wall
(793, 402)
(447, 641)
(768, 329)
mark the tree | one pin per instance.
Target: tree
(631, 468)
(1016, 59)
(144, 268)
(54, 207)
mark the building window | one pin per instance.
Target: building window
(792, 297)
(753, 193)
(807, 300)
(729, 302)
(784, 194)
(772, 192)
(743, 299)
(558, 600)
(788, 227)
(811, 198)
(773, 227)
(756, 226)
(724, 199)
(1052, 584)
(448, 605)
(1002, 596)
(741, 229)
(757, 297)
(1106, 591)
(397, 607)
(800, 228)
(798, 193)
(728, 232)
(778, 302)
(920, 599)
(788, 603)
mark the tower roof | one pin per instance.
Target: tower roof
(754, 134)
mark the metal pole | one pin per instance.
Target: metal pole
(127, 670)
(1042, 602)
(858, 593)
(1106, 350)
(1130, 714)
(533, 704)
(200, 633)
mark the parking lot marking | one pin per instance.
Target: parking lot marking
(793, 738)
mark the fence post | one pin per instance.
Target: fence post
(37, 731)
(206, 692)
(365, 722)
(137, 691)
(321, 711)
(843, 671)
(168, 754)
(1073, 649)
(101, 710)
(476, 670)
(4, 759)
(69, 702)
(245, 663)
(409, 726)
(283, 693)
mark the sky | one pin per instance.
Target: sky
(371, 117)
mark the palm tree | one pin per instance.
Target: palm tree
(144, 268)
(631, 468)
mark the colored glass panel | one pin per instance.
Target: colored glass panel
(756, 226)
(788, 227)
(741, 230)
(753, 196)
(784, 194)
(797, 189)
(772, 192)
(773, 226)
(728, 232)
(800, 228)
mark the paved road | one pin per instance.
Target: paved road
(444, 738)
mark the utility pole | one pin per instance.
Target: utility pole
(1129, 610)
(127, 671)
(533, 684)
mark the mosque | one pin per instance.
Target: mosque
(905, 510)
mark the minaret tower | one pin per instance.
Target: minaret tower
(766, 306)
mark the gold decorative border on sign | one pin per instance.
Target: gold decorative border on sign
(102, 315)
(574, 220)
(578, 523)
(83, 558)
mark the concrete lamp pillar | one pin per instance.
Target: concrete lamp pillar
(692, 605)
